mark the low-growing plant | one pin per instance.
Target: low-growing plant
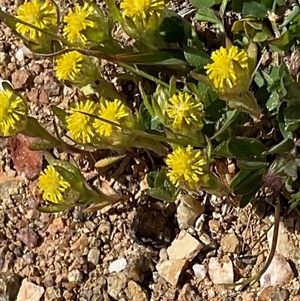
(216, 97)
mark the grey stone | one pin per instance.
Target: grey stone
(53, 294)
(75, 276)
(188, 211)
(116, 285)
(93, 256)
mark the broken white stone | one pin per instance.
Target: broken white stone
(30, 291)
(183, 249)
(117, 265)
(200, 271)
(188, 211)
(278, 273)
(185, 246)
(220, 272)
(171, 270)
(22, 53)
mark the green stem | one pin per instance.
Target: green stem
(143, 74)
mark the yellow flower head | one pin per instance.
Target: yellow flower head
(183, 109)
(52, 185)
(77, 21)
(69, 65)
(141, 9)
(186, 166)
(80, 125)
(113, 111)
(229, 68)
(13, 113)
(39, 13)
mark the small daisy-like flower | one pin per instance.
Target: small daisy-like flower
(80, 125)
(13, 113)
(184, 108)
(113, 111)
(186, 166)
(39, 13)
(230, 66)
(77, 21)
(52, 185)
(69, 65)
(141, 9)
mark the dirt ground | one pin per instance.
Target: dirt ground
(139, 249)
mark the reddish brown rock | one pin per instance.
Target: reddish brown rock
(21, 79)
(26, 162)
(28, 237)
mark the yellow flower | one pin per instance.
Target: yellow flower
(39, 13)
(52, 185)
(13, 113)
(183, 109)
(229, 69)
(78, 21)
(69, 65)
(141, 9)
(113, 111)
(186, 166)
(80, 125)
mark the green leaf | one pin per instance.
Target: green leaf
(282, 40)
(160, 187)
(201, 3)
(162, 57)
(281, 122)
(206, 14)
(148, 122)
(291, 169)
(254, 9)
(54, 208)
(284, 146)
(34, 129)
(42, 145)
(252, 165)
(260, 37)
(273, 101)
(241, 147)
(195, 57)
(232, 115)
(292, 118)
(113, 11)
(247, 198)
(75, 180)
(293, 92)
(60, 114)
(247, 181)
(171, 29)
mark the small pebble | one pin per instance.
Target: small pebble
(75, 276)
(200, 271)
(117, 265)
